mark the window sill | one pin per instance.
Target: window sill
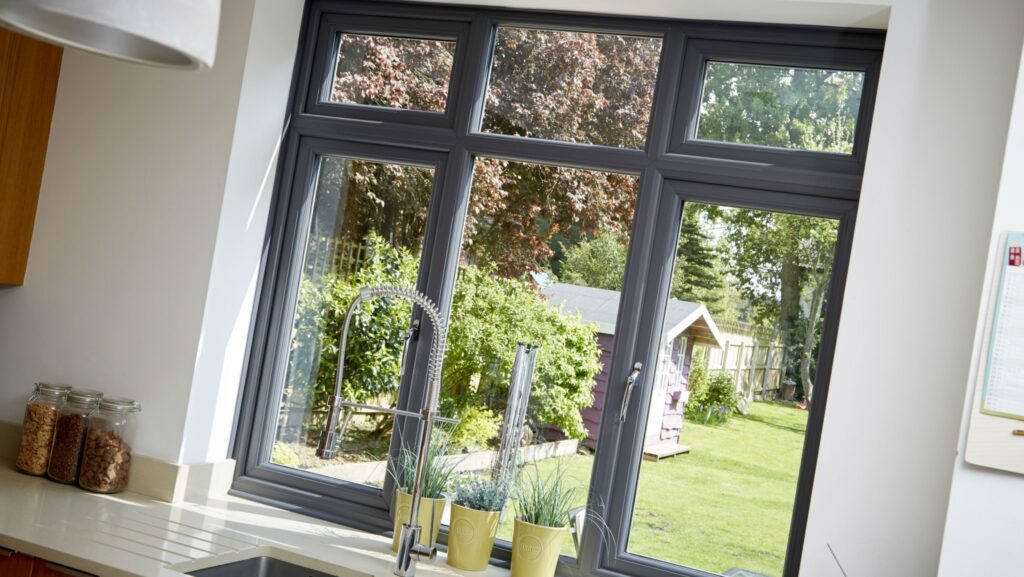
(143, 537)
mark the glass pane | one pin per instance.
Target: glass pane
(573, 86)
(783, 107)
(542, 262)
(366, 228)
(395, 72)
(725, 429)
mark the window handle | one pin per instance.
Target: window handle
(630, 385)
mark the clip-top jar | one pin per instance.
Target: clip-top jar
(37, 433)
(107, 457)
(69, 434)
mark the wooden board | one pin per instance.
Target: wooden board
(29, 70)
(664, 451)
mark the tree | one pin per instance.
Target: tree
(778, 259)
(698, 275)
(804, 108)
(544, 83)
(599, 262)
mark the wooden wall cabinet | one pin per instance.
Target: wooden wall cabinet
(29, 70)
(13, 564)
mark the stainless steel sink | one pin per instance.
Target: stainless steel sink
(259, 567)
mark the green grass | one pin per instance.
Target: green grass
(725, 504)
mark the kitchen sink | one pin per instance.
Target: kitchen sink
(259, 567)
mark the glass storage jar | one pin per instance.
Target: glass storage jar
(37, 432)
(69, 434)
(107, 456)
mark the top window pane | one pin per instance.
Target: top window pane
(410, 73)
(782, 107)
(572, 86)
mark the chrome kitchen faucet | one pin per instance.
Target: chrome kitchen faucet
(409, 549)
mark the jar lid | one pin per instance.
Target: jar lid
(120, 405)
(85, 396)
(52, 388)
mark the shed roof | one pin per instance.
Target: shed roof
(601, 307)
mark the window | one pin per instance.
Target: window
(728, 504)
(542, 262)
(802, 108)
(665, 208)
(366, 227)
(394, 72)
(574, 86)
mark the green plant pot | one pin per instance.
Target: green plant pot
(471, 537)
(535, 549)
(429, 518)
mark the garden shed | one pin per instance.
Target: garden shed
(686, 324)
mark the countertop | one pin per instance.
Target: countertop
(129, 535)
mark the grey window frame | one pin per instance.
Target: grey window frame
(326, 57)
(671, 171)
(699, 52)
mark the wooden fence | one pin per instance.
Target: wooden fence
(328, 254)
(752, 356)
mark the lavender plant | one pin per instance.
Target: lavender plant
(481, 493)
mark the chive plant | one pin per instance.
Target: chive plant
(437, 471)
(544, 500)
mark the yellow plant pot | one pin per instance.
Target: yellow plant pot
(535, 549)
(429, 518)
(471, 537)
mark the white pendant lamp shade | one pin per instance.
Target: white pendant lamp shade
(175, 33)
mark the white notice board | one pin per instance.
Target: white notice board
(999, 400)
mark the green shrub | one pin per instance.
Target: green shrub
(490, 314)
(477, 427)
(713, 397)
(285, 456)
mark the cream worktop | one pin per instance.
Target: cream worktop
(129, 535)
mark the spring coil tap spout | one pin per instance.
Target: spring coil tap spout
(409, 548)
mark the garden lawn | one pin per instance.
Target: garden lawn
(726, 504)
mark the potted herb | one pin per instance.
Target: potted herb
(436, 474)
(476, 510)
(542, 517)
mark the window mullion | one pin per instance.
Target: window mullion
(439, 264)
(653, 218)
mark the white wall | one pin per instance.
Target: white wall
(983, 525)
(125, 232)
(915, 280)
(223, 342)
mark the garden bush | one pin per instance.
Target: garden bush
(477, 427)
(490, 314)
(713, 396)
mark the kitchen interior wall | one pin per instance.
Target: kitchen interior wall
(915, 281)
(125, 234)
(223, 341)
(142, 266)
(983, 525)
